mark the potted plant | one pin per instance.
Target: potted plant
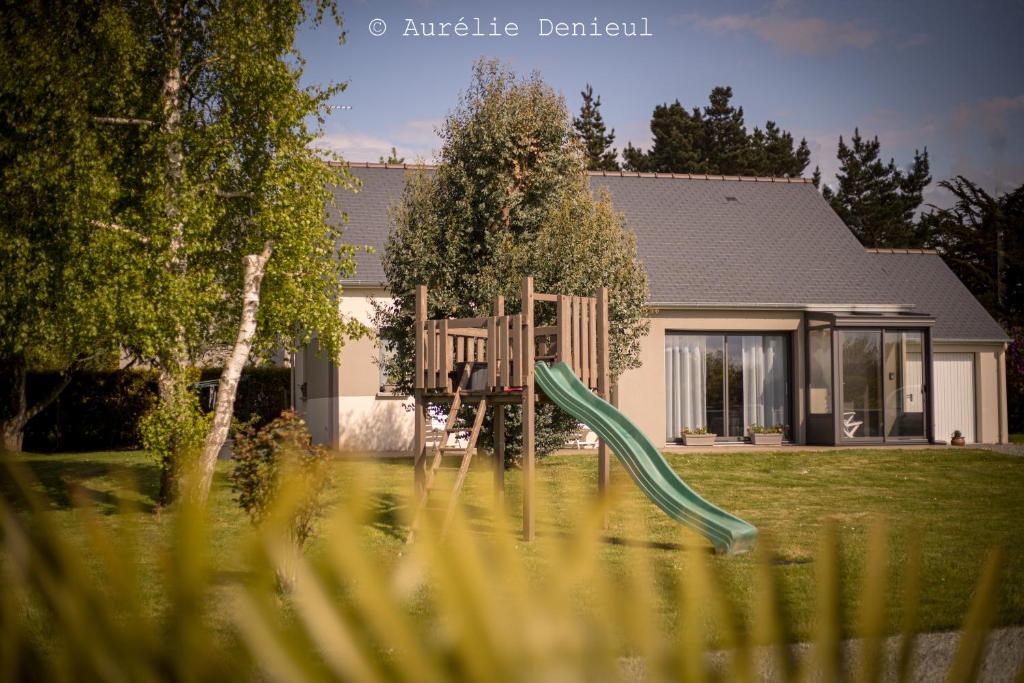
(697, 436)
(766, 435)
(958, 439)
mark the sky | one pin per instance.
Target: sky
(948, 76)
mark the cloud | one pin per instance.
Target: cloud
(415, 140)
(802, 35)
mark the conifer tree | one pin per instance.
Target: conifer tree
(715, 140)
(590, 129)
(877, 200)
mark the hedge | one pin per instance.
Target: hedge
(101, 410)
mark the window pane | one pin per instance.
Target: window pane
(903, 380)
(765, 382)
(819, 345)
(716, 385)
(684, 383)
(862, 388)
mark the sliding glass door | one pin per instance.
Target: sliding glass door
(860, 353)
(882, 381)
(725, 383)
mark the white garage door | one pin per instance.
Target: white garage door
(954, 395)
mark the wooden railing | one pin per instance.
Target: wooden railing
(500, 342)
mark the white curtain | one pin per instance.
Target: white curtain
(764, 381)
(685, 382)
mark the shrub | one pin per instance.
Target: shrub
(102, 410)
(98, 411)
(171, 431)
(276, 460)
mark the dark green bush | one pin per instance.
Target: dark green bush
(101, 410)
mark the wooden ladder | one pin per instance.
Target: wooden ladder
(439, 448)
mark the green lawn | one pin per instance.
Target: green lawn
(1016, 438)
(957, 503)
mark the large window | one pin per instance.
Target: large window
(883, 383)
(725, 383)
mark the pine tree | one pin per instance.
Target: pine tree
(877, 200)
(590, 130)
(725, 135)
(678, 142)
(715, 140)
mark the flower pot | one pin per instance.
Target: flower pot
(958, 441)
(699, 439)
(766, 438)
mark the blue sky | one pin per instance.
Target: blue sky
(946, 75)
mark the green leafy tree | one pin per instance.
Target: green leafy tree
(877, 200)
(220, 194)
(597, 140)
(393, 158)
(715, 140)
(59, 293)
(510, 197)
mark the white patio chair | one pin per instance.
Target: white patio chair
(851, 424)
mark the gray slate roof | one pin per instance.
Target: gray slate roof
(708, 242)
(934, 288)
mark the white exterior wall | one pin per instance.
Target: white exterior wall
(352, 415)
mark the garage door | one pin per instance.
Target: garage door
(954, 395)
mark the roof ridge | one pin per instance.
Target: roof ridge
(611, 174)
(883, 250)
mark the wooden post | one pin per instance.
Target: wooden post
(499, 432)
(419, 446)
(603, 387)
(529, 399)
(499, 456)
(563, 316)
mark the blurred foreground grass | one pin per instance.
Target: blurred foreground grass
(578, 598)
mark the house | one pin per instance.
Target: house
(765, 309)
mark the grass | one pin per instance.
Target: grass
(1016, 438)
(956, 504)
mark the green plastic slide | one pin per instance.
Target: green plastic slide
(644, 462)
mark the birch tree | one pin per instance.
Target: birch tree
(58, 298)
(221, 192)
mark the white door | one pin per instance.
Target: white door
(954, 395)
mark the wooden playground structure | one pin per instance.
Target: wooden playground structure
(489, 361)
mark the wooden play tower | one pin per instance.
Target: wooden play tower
(488, 361)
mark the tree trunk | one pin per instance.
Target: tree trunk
(255, 266)
(168, 385)
(169, 382)
(12, 426)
